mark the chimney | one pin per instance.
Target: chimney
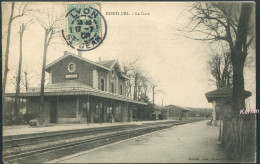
(99, 58)
(80, 53)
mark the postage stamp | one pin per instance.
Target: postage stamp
(86, 26)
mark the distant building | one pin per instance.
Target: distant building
(157, 112)
(173, 112)
(81, 91)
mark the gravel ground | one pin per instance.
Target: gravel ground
(188, 143)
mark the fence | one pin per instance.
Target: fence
(239, 137)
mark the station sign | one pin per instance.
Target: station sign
(72, 76)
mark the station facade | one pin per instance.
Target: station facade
(83, 91)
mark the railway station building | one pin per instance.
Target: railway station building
(82, 91)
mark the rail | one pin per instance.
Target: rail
(75, 142)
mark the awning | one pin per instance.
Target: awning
(225, 92)
(72, 87)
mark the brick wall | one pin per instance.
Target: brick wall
(84, 70)
(66, 107)
(121, 81)
(102, 74)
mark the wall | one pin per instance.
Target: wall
(84, 70)
(121, 81)
(102, 74)
(67, 109)
(117, 81)
(95, 79)
(214, 110)
(113, 78)
(33, 108)
(88, 74)
(100, 110)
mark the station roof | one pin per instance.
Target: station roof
(72, 87)
(107, 65)
(225, 92)
(177, 107)
(68, 54)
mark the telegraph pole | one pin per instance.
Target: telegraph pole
(162, 102)
(26, 82)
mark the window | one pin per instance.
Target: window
(112, 87)
(102, 85)
(121, 89)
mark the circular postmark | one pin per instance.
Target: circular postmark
(86, 27)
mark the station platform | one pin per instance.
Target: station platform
(189, 143)
(26, 129)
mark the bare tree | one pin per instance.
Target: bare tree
(51, 29)
(22, 10)
(232, 24)
(23, 27)
(221, 69)
(14, 80)
(26, 80)
(229, 23)
(144, 85)
(153, 86)
(136, 78)
(128, 67)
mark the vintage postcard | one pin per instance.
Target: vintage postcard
(128, 82)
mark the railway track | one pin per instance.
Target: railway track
(81, 141)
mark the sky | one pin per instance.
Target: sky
(178, 64)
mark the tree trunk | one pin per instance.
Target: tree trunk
(7, 48)
(153, 94)
(16, 108)
(26, 81)
(238, 57)
(238, 87)
(135, 87)
(43, 79)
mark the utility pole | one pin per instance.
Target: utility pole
(153, 87)
(26, 82)
(162, 102)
